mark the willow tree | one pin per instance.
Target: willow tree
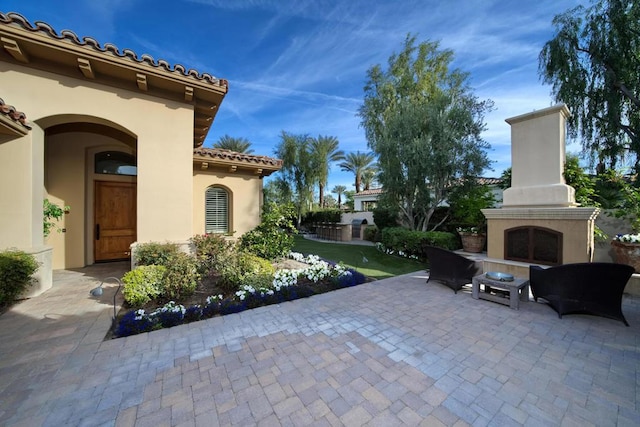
(593, 65)
(423, 122)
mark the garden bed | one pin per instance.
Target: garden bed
(294, 278)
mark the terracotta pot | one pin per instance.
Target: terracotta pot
(627, 253)
(473, 242)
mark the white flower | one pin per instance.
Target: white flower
(628, 238)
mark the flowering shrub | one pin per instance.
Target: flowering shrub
(212, 250)
(135, 322)
(285, 285)
(628, 238)
(171, 314)
(212, 307)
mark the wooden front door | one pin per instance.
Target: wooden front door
(115, 220)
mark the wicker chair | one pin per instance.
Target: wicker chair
(451, 269)
(591, 288)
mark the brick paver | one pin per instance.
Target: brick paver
(392, 352)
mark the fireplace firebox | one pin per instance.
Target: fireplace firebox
(535, 245)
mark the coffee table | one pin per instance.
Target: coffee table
(518, 290)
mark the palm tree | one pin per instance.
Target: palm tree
(239, 145)
(324, 150)
(369, 176)
(339, 190)
(298, 169)
(358, 163)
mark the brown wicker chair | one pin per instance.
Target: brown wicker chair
(451, 269)
(591, 288)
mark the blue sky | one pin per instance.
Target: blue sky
(300, 65)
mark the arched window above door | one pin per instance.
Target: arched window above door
(115, 163)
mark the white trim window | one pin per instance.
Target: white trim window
(216, 210)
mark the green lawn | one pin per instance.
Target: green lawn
(378, 265)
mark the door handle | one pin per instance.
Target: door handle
(97, 231)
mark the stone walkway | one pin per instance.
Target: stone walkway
(391, 352)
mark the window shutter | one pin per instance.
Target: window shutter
(216, 210)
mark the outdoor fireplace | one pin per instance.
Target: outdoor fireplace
(536, 245)
(539, 221)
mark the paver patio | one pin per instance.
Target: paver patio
(392, 352)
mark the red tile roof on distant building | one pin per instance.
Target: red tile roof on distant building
(371, 192)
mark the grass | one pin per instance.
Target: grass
(378, 265)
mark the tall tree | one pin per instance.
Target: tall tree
(298, 169)
(339, 190)
(325, 150)
(593, 65)
(424, 123)
(358, 163)
(239, 145)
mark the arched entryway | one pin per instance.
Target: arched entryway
(90, 166)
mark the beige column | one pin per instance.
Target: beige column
(22, 195)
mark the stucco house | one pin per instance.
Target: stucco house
(118, 138)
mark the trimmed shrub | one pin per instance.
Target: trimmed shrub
(212, 250)
(371, 233)
(412, 243)
(142, 284)
(155, 253)
(181, 276)
(385, 217)
(245, 269)
(322, 215)
(16, 268)
(273, 238)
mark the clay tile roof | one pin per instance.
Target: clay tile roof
(15, 19)
(218, 153)
(371, 192)
(15, 115)
(489, 181)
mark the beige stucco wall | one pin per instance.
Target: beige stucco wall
(21, 195)
(245, 199)
(163, 130)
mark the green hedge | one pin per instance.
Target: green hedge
(322, 215)
(16, 268)
(412, 242)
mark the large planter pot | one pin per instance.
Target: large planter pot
(473, 242)
(627, 253)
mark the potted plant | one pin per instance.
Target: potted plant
(473, 239)
(626, 249)
(625, 200)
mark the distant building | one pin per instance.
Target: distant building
(367, 200)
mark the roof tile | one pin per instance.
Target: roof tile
(15, 19)
(218, 153)
(15, 115)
